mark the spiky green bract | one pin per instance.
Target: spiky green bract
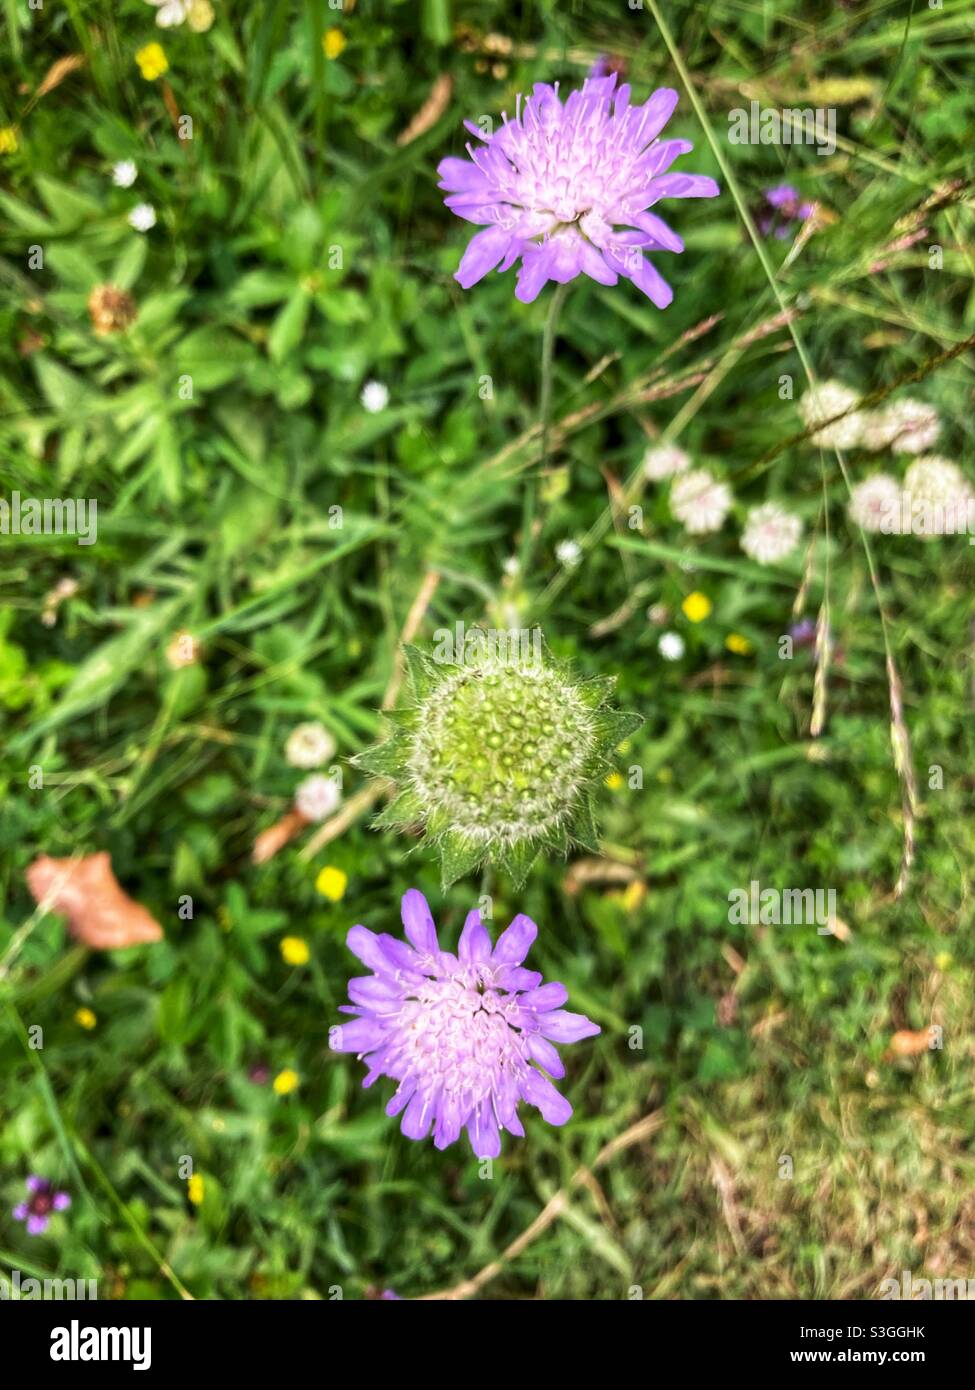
(498, 759)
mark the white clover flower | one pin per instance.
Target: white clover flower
(820, 403)
(664, 461)
(699, 501)
(169, 13)
(914, 426)
(511, 566)
(142, 217)
(374, 397)
(317, 797)
(938, 497)
(309, 745)
(875, 504)
(771, 533)
(671, 646)
(124, 173)
(568, 553)
(877, 430)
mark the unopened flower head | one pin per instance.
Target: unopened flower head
(699, 501)
(771, 533)
(498, 757)
(567, 189)
(664, 461)
(374, 397)
(42, 1200)
(671, 646)
(142, 218)
(124, 173)
(467, 1036)
(317, 798)
(821, 403)
(875, 503)
(309, 745)
(938, 497)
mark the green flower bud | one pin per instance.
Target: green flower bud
(498, 758)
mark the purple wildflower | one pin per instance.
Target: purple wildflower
(458, 1032)
(43, 1199)
(782, 206)
(567, 189)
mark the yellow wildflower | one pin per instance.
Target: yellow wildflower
(85, 1018)
(286, 1081)
(333, 42)
(152, 61)
(295, 950)
(738, 644)
(8, 139)
(614, 781)
(696, 607)
(194, 1189)
(331, 883)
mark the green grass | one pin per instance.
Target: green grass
(300, 251)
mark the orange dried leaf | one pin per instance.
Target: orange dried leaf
(906, 1043)
(99, 912)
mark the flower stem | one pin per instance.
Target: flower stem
(544, 419)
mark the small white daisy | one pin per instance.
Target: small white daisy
(309, 745)
(317, 797)
(824, 400)
(142, 217)
(124, 173)
(568, 553)
(875, 504)
(699, 501)
(664, 461)
(511, 566)
(939, 497)
(771, 533)
(374, 397)
(671, 646)
(170, 13)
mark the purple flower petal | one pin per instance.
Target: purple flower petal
(515, 941)
(36, 1225)
(483, 253)
(418, 923)
(561, 1026)
(539, 1091)
(475, 944)
(61, 1201)
(20, 1211)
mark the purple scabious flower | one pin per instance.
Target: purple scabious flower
(568, 189)
(43, 1199)
(460, 1033)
